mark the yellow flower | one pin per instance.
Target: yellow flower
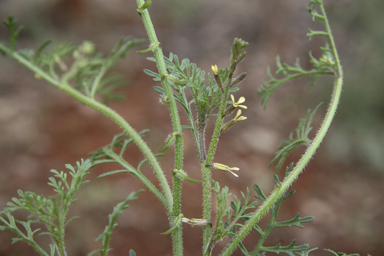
(225, 127)
(238, 117)
(215, 70)
(237, 104)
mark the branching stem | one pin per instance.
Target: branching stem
(108, 112)
(306, 157)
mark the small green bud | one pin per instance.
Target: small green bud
(87, 47)
(239, 79)
(217, 77)
(215, 70)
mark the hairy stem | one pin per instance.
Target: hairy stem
(202, 122)
(306, 157)
(111, 114)
(206, 169)
(158, 53)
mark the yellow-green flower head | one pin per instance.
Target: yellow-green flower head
(215, 70)
(87, 47)
(328, 60)
(237, 104)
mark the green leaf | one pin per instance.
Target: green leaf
(296, 221)
(169, 141)
(11, 25)
(49, 211)
(156, 76)
(183, 175)
(290, 249)
(42, 47)
(159, 89)
(292, 72)
(260, 195)
(302, 132)
(11, 225)
(186, 127)
(306, 252)
(341, 253)
(277, 181)
(117, 211)
(176, 224)
(112, 173)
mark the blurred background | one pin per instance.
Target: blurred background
(41, 128)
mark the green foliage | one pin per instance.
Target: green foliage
(226, 221)
(302, 132)
(9, 223)
(14, 33)
(85, 76)
(296, 221)
(326, 64)
(229, 219)
(187, 75)
(79, 65)
(105, 237)
(50, 212)
(291, 72)
(342, 253)
(260, 249)
(113, 153)
(207, 98)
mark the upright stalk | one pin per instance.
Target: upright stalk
(206, 169)
(158, 53)
(306, 157)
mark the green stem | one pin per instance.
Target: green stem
(206, 170)
(111, 114)
(61, 215)
(307, 156)
(158, 53)
(118, 159)
(202, 122)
